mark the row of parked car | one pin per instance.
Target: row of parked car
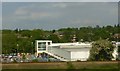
(27, 58)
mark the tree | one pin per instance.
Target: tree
(53, 31)
(23, 40)
(8, 41)
(54, 38)
(101, 50)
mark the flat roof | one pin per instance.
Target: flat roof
(75, 50)
(44, 40)
(75, 46)
(79, 46)
(69, 44)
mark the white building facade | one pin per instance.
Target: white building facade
(116, 51)
(42, 46)
(66, 51)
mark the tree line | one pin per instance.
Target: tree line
(18, 40)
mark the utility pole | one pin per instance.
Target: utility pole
(32, 47)
(17, 38)
(31, 44)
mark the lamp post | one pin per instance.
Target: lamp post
(31, 44)
(32, 47)
(17, 38)
(17, 48)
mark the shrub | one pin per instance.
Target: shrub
(35, 60)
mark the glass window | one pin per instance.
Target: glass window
(42, 45)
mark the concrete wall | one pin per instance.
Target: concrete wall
(82, 54)
(115, 52)
(60, 52)
(39, 41)
(71, 54)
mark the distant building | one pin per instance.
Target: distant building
(66, 51)
(116, 36)
(74, 38)
(116, 53)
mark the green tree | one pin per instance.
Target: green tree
(26, 38)
(68, 34)
(101, 50)
(8, 41)
(54, 38)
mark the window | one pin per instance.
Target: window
(42, 46)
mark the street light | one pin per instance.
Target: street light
(17, 38)
(32, 47)
(31, 44)
(17, 48)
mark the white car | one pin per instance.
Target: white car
(9, 56)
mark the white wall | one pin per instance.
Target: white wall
(36, 46)
(71, 54)
(82, 54)
(115, 52)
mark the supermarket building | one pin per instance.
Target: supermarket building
(66, 51)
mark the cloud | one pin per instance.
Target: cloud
(91, 21)
(33, 12)
(40, 15)
(85, 21)
(76, 21)
(57, 15)
(21, 11)
(60, 5)
(43, 15)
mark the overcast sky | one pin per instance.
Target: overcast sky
(60, 0)
(48, 16)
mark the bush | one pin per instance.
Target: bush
(70, 65)
(101, 50)
(14, 61)
(35, 60)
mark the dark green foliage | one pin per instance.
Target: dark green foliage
(14, 61)
(119, 49)
(70, 66)
(26, 38)
(35, 60)
(101, 50)
(54, 38)
(23, 57)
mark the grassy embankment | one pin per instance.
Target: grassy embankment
(86, 66)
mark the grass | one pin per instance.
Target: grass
(64, 66)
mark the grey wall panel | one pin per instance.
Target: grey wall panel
(60, 52)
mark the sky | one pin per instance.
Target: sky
(56, 15)
(60, 0)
